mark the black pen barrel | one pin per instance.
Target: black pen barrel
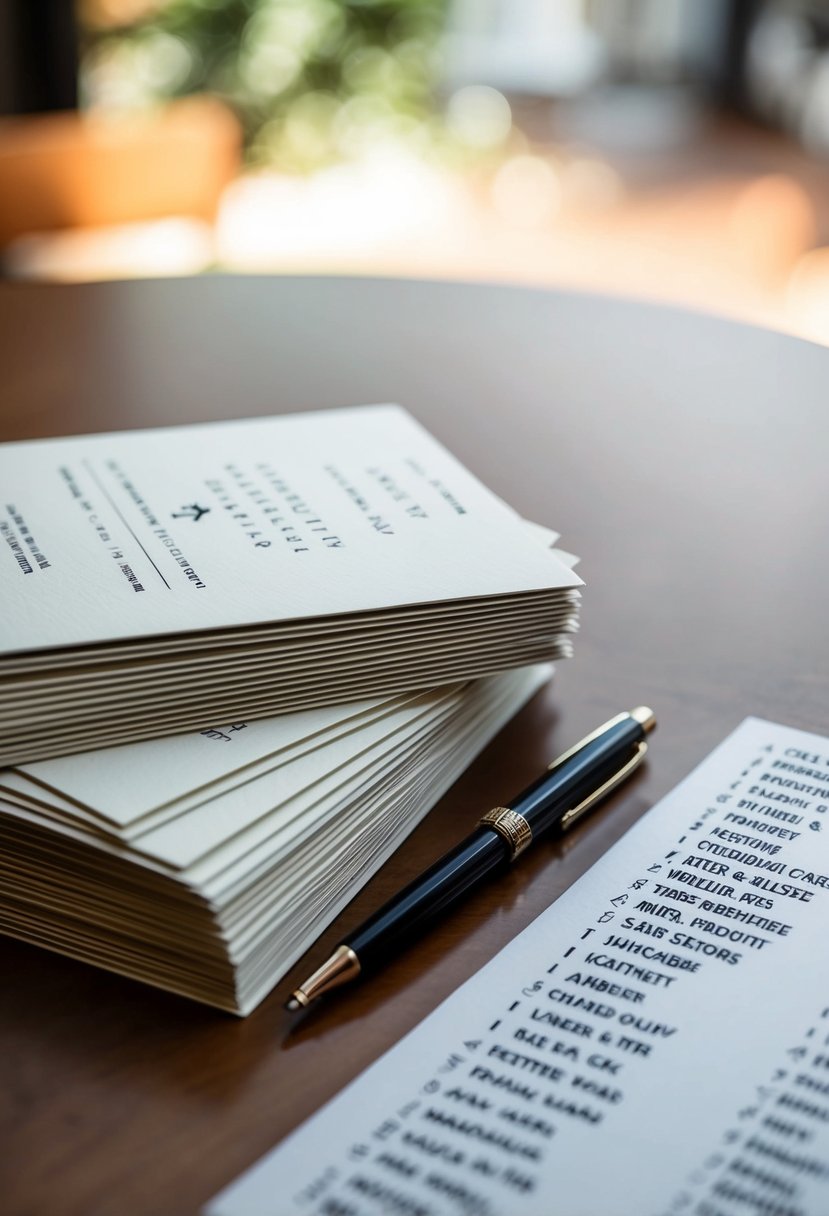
(403, 918)
(543, 804)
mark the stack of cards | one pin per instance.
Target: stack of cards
(154, 581)
(207, 863)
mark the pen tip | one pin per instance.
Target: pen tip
(292, 1004)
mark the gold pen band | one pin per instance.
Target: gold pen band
(510, 826)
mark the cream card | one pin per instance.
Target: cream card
(125, 784)
(141, 533)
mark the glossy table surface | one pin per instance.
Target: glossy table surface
(683, 457)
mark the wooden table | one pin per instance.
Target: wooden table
(683, 457)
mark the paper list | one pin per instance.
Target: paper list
(656, 1042)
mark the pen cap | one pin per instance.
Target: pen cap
(645, 717)
(585, 773)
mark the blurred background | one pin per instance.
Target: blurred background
(671, 149)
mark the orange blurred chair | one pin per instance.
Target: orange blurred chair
(82, 170)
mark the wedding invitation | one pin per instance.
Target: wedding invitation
(655, 1044)
(155, 580)
(207, 863)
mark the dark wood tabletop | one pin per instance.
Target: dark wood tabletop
(685, 458)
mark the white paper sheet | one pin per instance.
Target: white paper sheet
(655, 1044)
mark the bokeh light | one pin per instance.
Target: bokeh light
(807, 295)
(479, 116)
(772, 222)
(526, 191)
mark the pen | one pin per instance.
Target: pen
(569, 787)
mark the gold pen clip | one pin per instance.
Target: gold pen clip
(610, 784)
(594, 734)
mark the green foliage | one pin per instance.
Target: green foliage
(311, 80)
